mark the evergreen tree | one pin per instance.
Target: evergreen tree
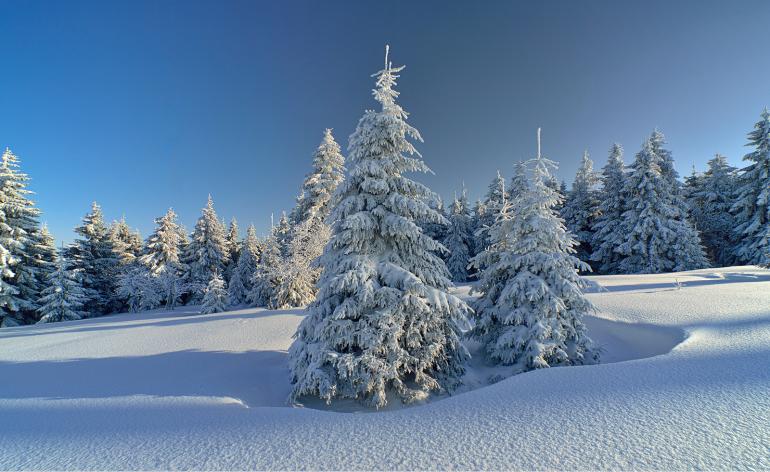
(656, 236)
(459, 239)
(126, 244)
(208, 251)
(233, 244)
(752, 204)
(163, 246)
(530, 311)
(266, 278)
(44, 258)
(489, 209)
(63, 298)
(215, 299)
(92, 257)
(315, 200)
(19, 228)
(283, 234)
(242, 279)
(581, 209)
(519, 184)
(436, 230)
(383, 319)
(139, 288)
(710, 197)
(607, 234)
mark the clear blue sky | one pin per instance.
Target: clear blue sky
(146, 105)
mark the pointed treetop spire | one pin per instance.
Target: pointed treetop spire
(538, 143)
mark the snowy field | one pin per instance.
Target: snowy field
(685, 384)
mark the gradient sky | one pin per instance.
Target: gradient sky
(146, 105)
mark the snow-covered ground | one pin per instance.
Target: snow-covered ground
(685, 385)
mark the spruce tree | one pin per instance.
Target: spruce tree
(241, 280)
(752, 204)
(315, 200)
(126, 243)
(44, 258)
(656, 235)
(233, 244)
(265, 278)
(163, 246)
(607, 234)
(459, 239)
(19, 228)
(710, 197)
(489, 209)
(383, 319)
(63, 297)
(208, 252)
(530, 311)
(215, 298)
(92, 257)
(581, 208)
(139, 288)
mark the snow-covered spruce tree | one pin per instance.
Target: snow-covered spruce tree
(92, 257)
(489, 209)
(19, 229)
(265, 278)
(242, 278)
(459, 239)
(655, 237)
(215, 299)
(233, 244)
(63, 297)
(710, 197)
(315, 199)
(162, 248)
(519, 184)
(436, 230)
(383, 320)
(126, 243)
(294, 279)
(606, 229)
(45, 258)
(581, 208)
(530, 311)
(139, 288)
(207, 250)
(752, 203)
(282, 233)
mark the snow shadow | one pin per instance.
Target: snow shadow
(716, 278)
(621, 341)
(257, 378)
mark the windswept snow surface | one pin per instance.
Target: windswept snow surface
(182, 390)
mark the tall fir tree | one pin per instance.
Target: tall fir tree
(241, 281)
(19, 232)
(710, 197)
(63, 298)
(489, 209)
(233, 244)
(126, 243)
(383, 319)
(207, 251)
(315, 199)
(459, 239)
(581, 208)
(92, 257)
(656, 235)
(752, 201)
(265, 279)
(607, 234)
(530, 311)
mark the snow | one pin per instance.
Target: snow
(684, 384)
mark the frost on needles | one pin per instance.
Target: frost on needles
(383, 320)
(530, 311)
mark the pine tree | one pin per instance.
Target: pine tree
(215, 299)
(581, 208)
(19, 228)
(656, 236)
(63, 298)
(207, 250)
(383, 320)
(92, 257)
(710, 197)
(530, 311)
(519, 184)
(607, 234)
(752, 204)
(242, 279)
(315, 200)
(45, 259)
(283, 234)
(162, 248)
(266, 278)
(459, 239)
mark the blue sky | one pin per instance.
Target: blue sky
(146, 105)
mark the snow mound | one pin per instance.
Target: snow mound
(183, 390)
